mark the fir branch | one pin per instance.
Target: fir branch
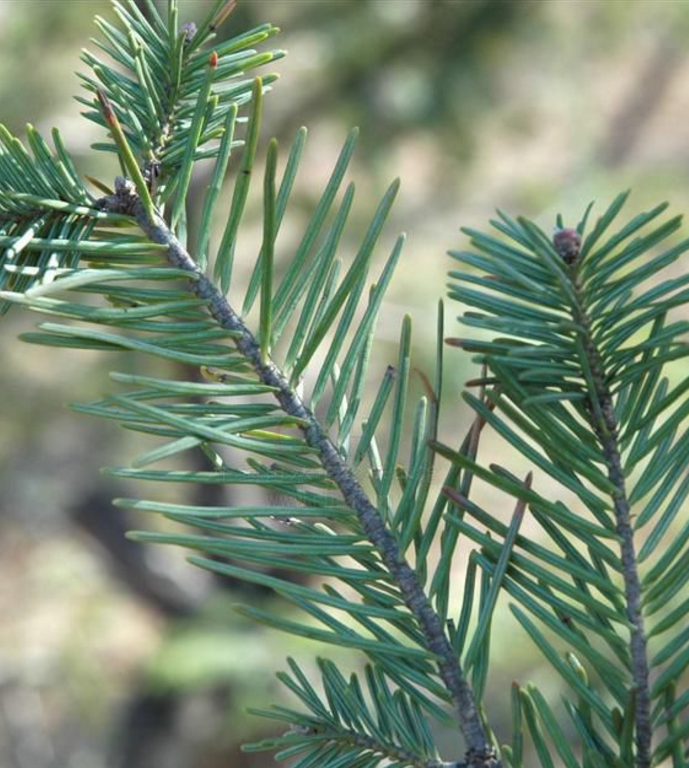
(156, 88)
(350, 737)
(604, 422)
(583, 398)
(480, 754)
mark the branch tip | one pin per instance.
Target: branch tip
(567, 243)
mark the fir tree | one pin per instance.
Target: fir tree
(575, 334)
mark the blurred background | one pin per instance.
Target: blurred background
(113, 655)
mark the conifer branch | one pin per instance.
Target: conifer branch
(567, 381)
(604, 422)
(387, 751)
(480, 753)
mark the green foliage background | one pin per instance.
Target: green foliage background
(527, 106)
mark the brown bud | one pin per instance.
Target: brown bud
(213, 60)
(567, 243)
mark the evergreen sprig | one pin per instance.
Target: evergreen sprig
(171, 101)
(577, 386)
(573, 382)
(45, 212)
(359, 726)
